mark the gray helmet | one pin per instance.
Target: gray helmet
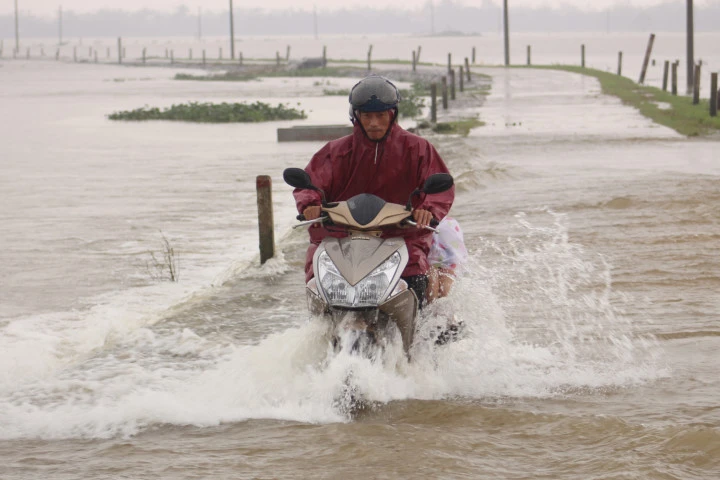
(374, 94)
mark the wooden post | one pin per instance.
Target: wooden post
(529, 51)
(369, 58)
(120, 50)
(444, 93)
(582, 55)
(620, 63)
(473, 56)
(666, 70)
(144, 56)
(674, 78)
(417, 57)
(449, 62)
(452, 84)
(461, 80)
(648, 53)
(690, 31)
(433, 103)
(324, 56)
(263, 186)
(414, 62)
(713, 94)
(467, 69)
(696, 85)
(287, 54)
(277, 58)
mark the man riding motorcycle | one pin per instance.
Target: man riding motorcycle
(383, 159)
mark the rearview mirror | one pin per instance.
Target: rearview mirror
(298, 178)
(438, 183)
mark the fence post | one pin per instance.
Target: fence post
(713, 94)
(324, 56)
(120, 50)
(648, 53)
(449, 62)
(467, 69)
(452, 84)
(666, 69)
(674, 78)
(369, 58)
(444, 93)
(696, 85)
(277, 58)
(263, 185)
(287, 54)
(528, 55)
(473, 56)
(582, 55)
(414, 62)
(418, 53)
(620, 63)
(433, 103)
(460, 79)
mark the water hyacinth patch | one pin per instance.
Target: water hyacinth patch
(213, 113)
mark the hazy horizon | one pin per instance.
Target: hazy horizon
(50, 7)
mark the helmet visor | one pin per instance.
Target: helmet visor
(375, 94)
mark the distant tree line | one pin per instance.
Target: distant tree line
(445, 17)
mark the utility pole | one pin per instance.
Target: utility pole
(232, 32)
(690, 47)
(432, 18)
(315, 23)
(17, 29)
(507, 33)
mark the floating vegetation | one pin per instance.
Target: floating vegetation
(213, 113)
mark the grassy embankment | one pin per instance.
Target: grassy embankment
(680, 114)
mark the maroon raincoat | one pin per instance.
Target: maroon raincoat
(391, 169)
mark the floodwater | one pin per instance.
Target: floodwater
(590, 297)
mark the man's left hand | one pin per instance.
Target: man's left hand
(422, 217)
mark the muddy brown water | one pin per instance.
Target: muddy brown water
(591, 296)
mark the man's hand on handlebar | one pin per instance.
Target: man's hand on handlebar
(312, 212)
(422, 218)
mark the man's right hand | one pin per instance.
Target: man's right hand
(312, 212)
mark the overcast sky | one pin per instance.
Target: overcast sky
(50, 7)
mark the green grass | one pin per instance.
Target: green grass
(682, 116)
(458, 127)
(213, 113)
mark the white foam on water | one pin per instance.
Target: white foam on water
(541, 320)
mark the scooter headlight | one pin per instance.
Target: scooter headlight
(367, 293)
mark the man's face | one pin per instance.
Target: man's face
(375, 124)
